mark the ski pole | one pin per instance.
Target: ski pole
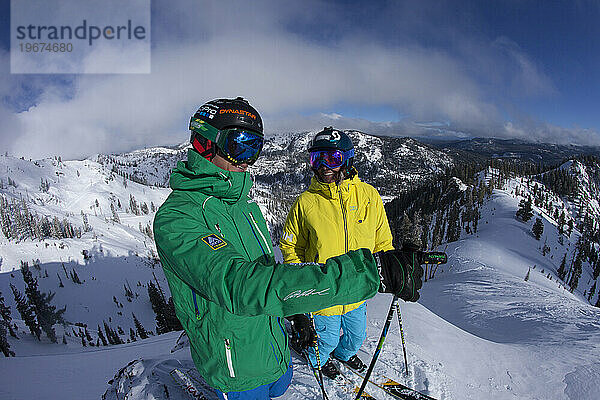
(316, 346)
(388, 321)
(314, 371)
(402, 336)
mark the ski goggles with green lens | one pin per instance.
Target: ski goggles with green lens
(237, 145)
(331, 158)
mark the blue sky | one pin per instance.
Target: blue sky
(505, 68)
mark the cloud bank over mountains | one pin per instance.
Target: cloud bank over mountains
(289, 60)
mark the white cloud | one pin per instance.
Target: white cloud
(206, 50)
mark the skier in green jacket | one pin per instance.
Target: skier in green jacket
(229, 292)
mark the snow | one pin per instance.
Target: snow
(479, 330)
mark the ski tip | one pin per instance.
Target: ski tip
(390, 382)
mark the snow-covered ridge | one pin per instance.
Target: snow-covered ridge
(479, 331)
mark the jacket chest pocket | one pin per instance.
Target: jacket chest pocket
(361, 213)
(364, 227)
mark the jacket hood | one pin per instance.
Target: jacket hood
(199, 174)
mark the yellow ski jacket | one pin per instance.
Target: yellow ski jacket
(328, 220)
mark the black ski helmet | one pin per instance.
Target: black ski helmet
(221, 114)
(228, 113)
(332, 139)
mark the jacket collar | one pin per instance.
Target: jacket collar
(332, 190)
(199, 174)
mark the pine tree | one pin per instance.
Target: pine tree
(86, 224)
(141, 332)
(101, 336)
(158, 306)
(47, 315)
(525, 211)
(576, 274)
(538, 228)
(4, 345)
(562, 270)
(115, 216)
(172, 321)
(27, 312)
(527, 276)
(453, 232)
(132, 336)
(592, 292)
(6, 316)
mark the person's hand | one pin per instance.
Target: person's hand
(303, 332)
(400, 272)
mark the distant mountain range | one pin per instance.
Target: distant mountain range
(515, 149)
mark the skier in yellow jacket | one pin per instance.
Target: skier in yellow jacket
(337, 213)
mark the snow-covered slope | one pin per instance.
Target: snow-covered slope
(479, 331)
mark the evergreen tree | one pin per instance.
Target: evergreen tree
(86, 224)
(417, 230)
(172, 321)
(47, 315)
(525, 211)
(4, 345)
(115, 216)
(112, 336)
(527, 276)
(562, 270)
(436, 237)
(101, 336)
(132, 336)
(6, 316)
(576, 274)
(538, 228)
(158, 306)
(141, 332)
(453, 232)
(27, 312)
(592, 292)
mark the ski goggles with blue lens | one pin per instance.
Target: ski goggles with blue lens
(241, 146)
(332, 158)
(237, 145)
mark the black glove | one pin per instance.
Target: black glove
(303, 332)
(400, 272)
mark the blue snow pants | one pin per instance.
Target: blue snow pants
(264, 392)
(354, 327)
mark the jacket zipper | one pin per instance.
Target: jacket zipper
(229, 359)
(195, 304)
(344, 217)
(260, 233)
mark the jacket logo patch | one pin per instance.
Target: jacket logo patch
(214, 241)
(287, 236)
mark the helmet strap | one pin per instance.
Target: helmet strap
(206, 148)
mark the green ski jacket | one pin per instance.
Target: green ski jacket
(229, 293)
